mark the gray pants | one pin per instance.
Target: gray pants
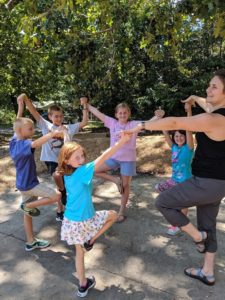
(204, 193)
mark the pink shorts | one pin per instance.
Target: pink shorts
(165, 185)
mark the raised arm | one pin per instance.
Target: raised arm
(32, 109)
(168, 138)
(84, 103)
(110, 151)
(96, 112)
(42, 140)
(189, 135)
(20, 102)
(193, 99)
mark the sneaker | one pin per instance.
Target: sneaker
(32, 212)
(83, 290)
(173, 230)
(37, 244)
(63, 199)
(59, 216)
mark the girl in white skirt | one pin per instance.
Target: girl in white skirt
(82, 225)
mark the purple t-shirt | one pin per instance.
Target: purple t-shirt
(128, 151)
(23, 156)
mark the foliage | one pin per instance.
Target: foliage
(147, 53)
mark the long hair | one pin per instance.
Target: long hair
(64, 155)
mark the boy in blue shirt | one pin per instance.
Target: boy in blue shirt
(22, 152)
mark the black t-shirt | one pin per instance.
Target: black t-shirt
(209, 159)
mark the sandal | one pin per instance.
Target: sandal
(121, 218)
(206, 279)
(201, 245)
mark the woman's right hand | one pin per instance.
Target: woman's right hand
(191, 100)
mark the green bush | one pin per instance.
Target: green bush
(7, 116)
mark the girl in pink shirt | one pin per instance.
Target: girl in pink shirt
(125, 158)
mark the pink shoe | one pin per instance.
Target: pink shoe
(173, 230)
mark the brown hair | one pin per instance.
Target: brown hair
(53, 108)
(20, 122)
(221, 74)
(122, 105)
(65, 153)
(183, 132)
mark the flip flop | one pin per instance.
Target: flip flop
(206, 279)
(121, 218)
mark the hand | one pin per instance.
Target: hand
(133, 130)
(159, 113)
(187, 107)
(83, 101)
(57, 134)
(125, 137)
(21, 99)
(191, 100)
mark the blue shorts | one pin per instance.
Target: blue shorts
(127, 168)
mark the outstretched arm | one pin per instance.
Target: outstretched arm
(32, 109)
(189, 135)
(42, 140)
(110, 151)
(20, 102)
(212, 124)
(84, 103)
(96, 112)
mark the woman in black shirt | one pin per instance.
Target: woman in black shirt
(206, 188)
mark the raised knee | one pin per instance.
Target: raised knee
(113, 215)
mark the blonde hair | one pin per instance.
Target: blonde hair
(122, 105)
(64, 155)
(20, 122)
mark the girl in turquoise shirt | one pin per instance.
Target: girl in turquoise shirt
(182, 147)
(82, 225)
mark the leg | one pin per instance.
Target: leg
(103, 174)
(44, 201)
(60, 185)
(79, 264)
(125, 196)
(112, 217)
(28, 226)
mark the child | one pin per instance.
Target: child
(125, 158)
(50, 150)
(22, 153)
(182, 145)
(82, 225)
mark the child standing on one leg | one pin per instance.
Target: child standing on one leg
(182, 145)
(22, 152)
(50, 150)
(125, 158)
(82, 225)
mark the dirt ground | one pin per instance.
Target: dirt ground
(153, 155)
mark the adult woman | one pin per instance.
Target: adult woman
(207, 187)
